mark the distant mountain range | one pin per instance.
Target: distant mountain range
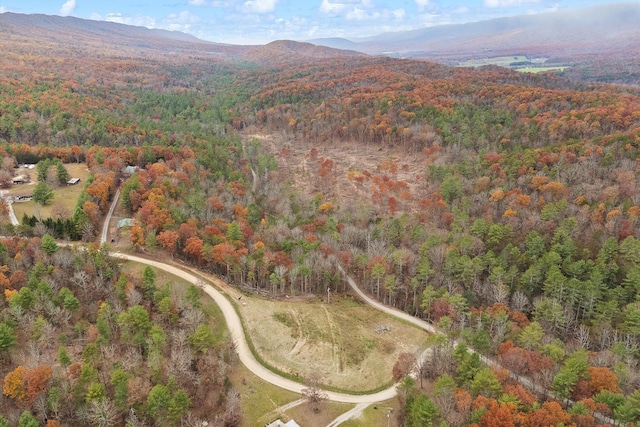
(566, 37)
(563, 34)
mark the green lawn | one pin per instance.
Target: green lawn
(64, 196)
(503, 61)
(259, 398)
(540, 69)
(381, 414)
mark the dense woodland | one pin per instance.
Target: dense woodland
(518, 234)
(83, 342)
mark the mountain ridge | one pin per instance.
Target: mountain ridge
(576, 31)
(604, 42)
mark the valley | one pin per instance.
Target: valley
(475, 229)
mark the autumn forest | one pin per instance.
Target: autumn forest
(502, 207)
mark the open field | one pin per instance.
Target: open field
(502, 61)
(64, 196)
(338, 342)
(382, 414)
(540, 69)
(260, 400)
(305, 415)
(263, 403)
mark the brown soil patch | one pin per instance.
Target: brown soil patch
(296, 162)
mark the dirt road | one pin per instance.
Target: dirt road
(246, 357)
(237, 335)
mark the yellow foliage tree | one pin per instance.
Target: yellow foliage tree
(497, 195)
(325, 207)
(14, 385)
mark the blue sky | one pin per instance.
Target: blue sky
(262, 21)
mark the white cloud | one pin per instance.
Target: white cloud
(312, 31)
(339, 6)
(422, 4)
(507, 3)
(197, 3)
(3, 9)
(358, 14)
(182, 21)
(399, 14)
(68, 8)
(360, 10)
(461, 10)
(327, 7)
(364, 13)
(184, 17)
(138, 20)
(259, 6)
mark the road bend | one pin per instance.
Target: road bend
(234, 325)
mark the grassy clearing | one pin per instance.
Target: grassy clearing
(336, 341)
(64, 196)
(327, 412)
(502, 61)
(376, 416)
(259, 399)
(540, 69)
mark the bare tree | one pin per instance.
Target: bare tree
(102, 413)
(191, 319)
(233, 411)
(59, 211)
(500, 293)
(421, 367)
(81, 280)
(519, 301)
(88, 232)
(582, 336)
(404, 365)
(134, 297)
(313, 393)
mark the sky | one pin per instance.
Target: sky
(263, 21)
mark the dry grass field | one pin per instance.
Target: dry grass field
(337, 341)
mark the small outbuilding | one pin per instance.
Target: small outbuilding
(125, 222)
(278, 423)
(20, 179)
(73, 181)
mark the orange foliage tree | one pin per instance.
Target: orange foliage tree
(25, 384)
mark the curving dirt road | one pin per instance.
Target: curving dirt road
(237, 335)
(246, 357)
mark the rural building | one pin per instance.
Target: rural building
(130, 170)
(278, 423)
(23, 198)
(20, 179)
(73, 181)
(125, 222)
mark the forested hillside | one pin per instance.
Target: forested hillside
(501, 206)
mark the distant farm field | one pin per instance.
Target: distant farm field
(64, 196)
(503, 61)
(540, 69)
(337, 341)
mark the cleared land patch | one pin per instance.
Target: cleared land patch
(260, 399)
(540, 69)
(337, 341)
(503, 61)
